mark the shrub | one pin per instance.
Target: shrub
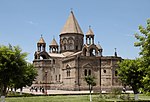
(115, 92)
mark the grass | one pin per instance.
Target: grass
(71, 98)
(76, 98)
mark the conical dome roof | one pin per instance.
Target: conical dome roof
(71, 25)
(41, 41)
(90, 32)
(53, 43)
(99, 46)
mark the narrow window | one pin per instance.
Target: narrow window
(89, 72)
(56, 78)
(69, 73)
(53, 70)
(85, 72)
(59, 77)
(65, 46)
(53, 61)
(76, 47)
(116, 73)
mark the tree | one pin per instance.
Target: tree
(131, 74)
(6, 67)
(14, 69)
(91, 82)
(26, 78)
(144, 44)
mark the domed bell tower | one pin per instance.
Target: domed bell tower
(41, 45)
(53, 47)
(89, 37)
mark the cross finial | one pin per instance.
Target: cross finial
(89, 26)
(71, 9)
(115, 49)
(53, 36)
(115, 53)
(98, 42)
(41, 35)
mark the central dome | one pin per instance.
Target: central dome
(71, 26)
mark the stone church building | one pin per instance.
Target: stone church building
(66, 64)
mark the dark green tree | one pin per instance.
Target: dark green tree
(26, 78)
(131, 74)
(144, 44)
(7, 64)
(14, 70)
(90, 80)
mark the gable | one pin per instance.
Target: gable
(87, 65)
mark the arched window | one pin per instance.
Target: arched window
(71, 43)
(104, 71)
(89, 73)
(85, 72)
(35, 56)
(59, 77)
(68, 70)
(53, 70)
(53, 61)
(64, 43)
(56, 78)
(68, 73)
(84, 51)
(65, 46)
(41, 58)
(116, 73)
(76, 47)
(92, 52)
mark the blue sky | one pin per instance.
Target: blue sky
(114, 22)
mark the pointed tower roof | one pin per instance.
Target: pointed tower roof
(41, 41)
(99, 46)
(71, 25)
(90, 32)
(53, 43)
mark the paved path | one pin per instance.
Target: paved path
(53, 92)
(58, 92)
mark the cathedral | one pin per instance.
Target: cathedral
(66, 64)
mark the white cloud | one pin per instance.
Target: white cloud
(32, 23)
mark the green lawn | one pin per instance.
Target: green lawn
(75, 98)
(70, 98)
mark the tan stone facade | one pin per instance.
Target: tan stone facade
(65, 68)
